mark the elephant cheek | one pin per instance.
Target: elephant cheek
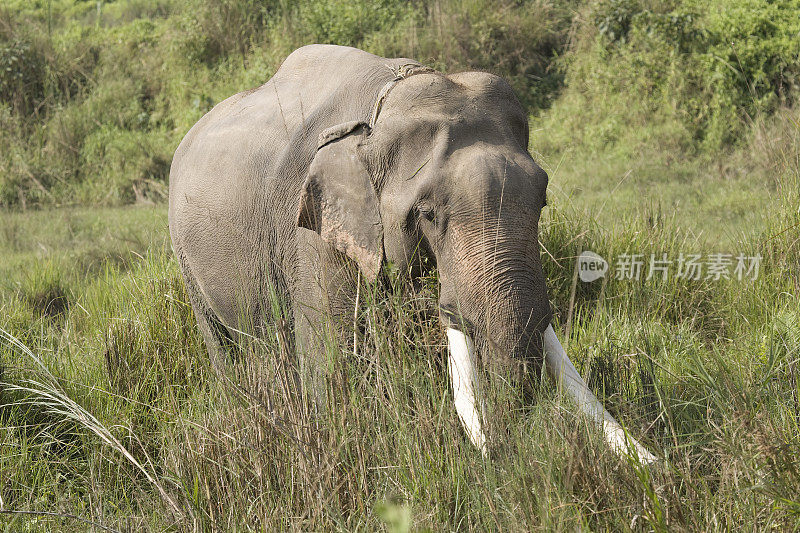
(404, 252)
(395, 253)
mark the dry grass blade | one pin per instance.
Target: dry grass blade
(59, 515)
(49, 394)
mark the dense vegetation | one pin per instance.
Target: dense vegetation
(666, 127)
(95, 96)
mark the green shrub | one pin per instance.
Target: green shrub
(712, 67)
(753, 63)
(349, 22)
(518, 41)
(96, 97)
(221, 28)
(22, 75)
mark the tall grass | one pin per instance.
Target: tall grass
(112, 413)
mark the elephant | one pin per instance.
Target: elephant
(344, 161)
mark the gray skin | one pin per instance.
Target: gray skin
(258, 202)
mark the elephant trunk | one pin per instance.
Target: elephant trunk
(494, 289)
(521, 338)
(506, 316)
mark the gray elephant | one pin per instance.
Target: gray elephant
(343, 161)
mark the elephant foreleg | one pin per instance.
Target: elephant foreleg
(324, 301)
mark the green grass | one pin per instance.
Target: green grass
(659, 135)
(723, 200)
(114, 415)
(94, 98)
(646, 171)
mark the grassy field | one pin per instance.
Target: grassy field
(111, 413)
(665, 129)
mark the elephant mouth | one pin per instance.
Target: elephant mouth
(451, 318)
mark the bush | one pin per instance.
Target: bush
(95, 97)
(350, 23)
(224, 28)
(518, 41)
(22, 76)
(711, 67)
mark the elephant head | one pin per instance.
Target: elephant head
(443, 171)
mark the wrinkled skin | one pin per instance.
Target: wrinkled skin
(444, 172)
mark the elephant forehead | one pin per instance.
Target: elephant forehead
(490, 170)
(431, 97)
(458, 93)
(449, 123)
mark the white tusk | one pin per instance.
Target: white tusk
(564, 374)
(466, 393)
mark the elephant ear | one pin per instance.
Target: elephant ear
(339, 202)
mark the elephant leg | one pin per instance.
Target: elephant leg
(218, 341)
(324, 301)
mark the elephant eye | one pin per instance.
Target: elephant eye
(426, 212)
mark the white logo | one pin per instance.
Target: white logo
(591, 266)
